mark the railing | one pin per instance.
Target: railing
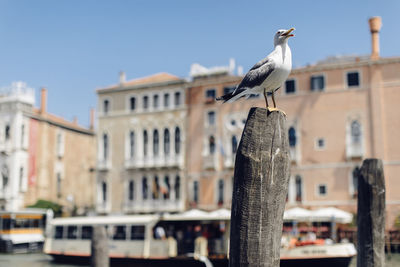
(158, 161)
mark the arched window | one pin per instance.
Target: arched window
(355, 132)
(104, 191)
(298, 188)
(155, 101)
(166, 142)
(292, 137)
(145, 102)
(177, 187)
(196, 192)
(145, 188)
(177, 140)
(58, 177)
(220, 192)
(234, 144)
(132, 102)
(166, 100)
(7, 132)
(131, 190)
(22, 134)
(105, 146)
(177, 99)
(211, 144)
(145, 142)
(156, 188)
(131, 144)
(155, 143)
(106, 106)
(5, 176)
(166, 188)
(21, 178)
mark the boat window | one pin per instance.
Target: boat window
(87, 232)
(72, 232)
(137, 232)
(19, 223)
(119, 232)
(58, 233)
(6, 224)
(35, 223)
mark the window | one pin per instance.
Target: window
(354, 177)
(166, 188)
(177, 187)
(58, 233)
(155, 101)
(22, 135)
(177, 99)
(131, 190)
(87, 232)
(177, 140)
(145, 102)
(233, 122)
(131, 144)
(58, 177)
(166, 100)
(72, 232)
(166, 142)
(317, 83)
(322, 190)
(60, 144)
(21, 178)
(4, 175)
(234, 144)
(104, 191)
(156, 188)
(7, 132)
(210, 95)
(145, 188)
(228, 90)
(106, 106)
(292, 137)
(196, 192)
(290, 87)
(211, 144)
(355, 132)
(132, 102)
(299, 186)
(155, 142)
(320, 143)
(119, 232)
(220, 192)
(105, 146)
(353, 79)
(211, 117)
(145, 142)
(137, 232)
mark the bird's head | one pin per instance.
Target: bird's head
(281, 36)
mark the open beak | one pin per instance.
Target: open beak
(288, 33)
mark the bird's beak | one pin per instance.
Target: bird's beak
(288, 33)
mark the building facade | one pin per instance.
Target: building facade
(339, 112)
(141, 145)
(39, 155)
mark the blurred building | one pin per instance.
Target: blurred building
(141, 145)
(339, 111)
(43, 156)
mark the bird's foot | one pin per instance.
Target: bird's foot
(276, 109)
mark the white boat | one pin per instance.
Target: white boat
(136, 238)
(23, 231)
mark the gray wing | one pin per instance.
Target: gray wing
(257, 74)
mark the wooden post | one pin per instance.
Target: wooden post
(99, 248)
(259, 192)
(371, 215)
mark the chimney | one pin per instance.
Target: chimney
(375, 24)
(91, 125)
(43, 100)
(122, 77)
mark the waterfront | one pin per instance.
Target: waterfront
(42, 260)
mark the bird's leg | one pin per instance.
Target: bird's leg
(273, 98)
(266, 100)
(275, 108)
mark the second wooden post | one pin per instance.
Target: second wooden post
(260, 188)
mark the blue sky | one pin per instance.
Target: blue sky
(73, 47)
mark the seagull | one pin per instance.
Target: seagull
(268, 74)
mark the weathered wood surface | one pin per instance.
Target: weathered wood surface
(371, 215)
(99, 247)
(259, 192)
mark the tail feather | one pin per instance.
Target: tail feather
(238, 93)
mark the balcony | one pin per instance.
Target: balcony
(104, 164)
(153, 205)
(210, 162)
(229, 161)
(354, 151)
(176, 161)
(294, 153)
